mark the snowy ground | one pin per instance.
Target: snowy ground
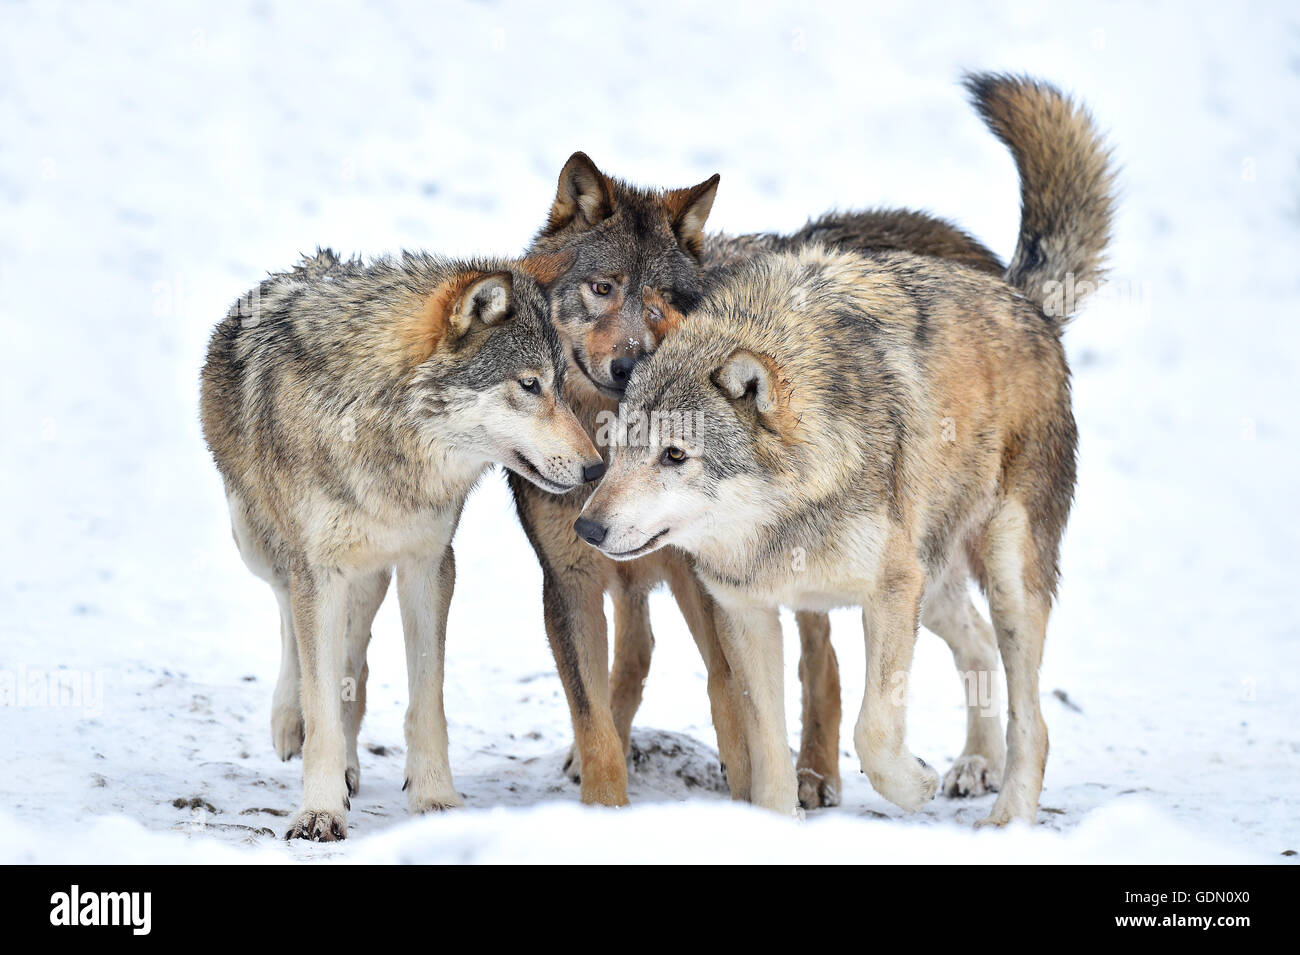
(157, 161)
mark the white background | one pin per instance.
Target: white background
(156, 161)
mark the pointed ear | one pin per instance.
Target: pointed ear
(688, 209)
(485, 298)
(752, 380)
(746, 376)
(452, 307)
(584, 196)
(548, 267)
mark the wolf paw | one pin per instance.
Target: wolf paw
(318, 825)
(1006, 811)
(435, 806)
(432, 797)
(817, 791)
(906, 781)
(573, 764)
(287, 731)
(970, 776)
(439, 803)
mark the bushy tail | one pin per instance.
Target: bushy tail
(1066, 183)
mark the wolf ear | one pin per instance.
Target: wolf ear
(485, 298)
(452, 307)
(546, 268)
(687, 211)
(750, 379)
(749, 376)
(584, 195)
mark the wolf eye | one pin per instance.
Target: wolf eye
(531, 385)
(672, 456)
(602, 288)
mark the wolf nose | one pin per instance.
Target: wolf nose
(592, 471)
(620, 369)
(590, 531)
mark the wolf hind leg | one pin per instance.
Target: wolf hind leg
(424, 588)
(818, 766)
(950, 614)
(287, 730)
(633, 647)
(1020, 601)
(364, 598)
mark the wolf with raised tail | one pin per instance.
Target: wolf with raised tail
(900, 423)
(641, 258)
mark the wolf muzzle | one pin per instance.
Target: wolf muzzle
(590, 531)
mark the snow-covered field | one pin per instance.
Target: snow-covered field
(156, 160)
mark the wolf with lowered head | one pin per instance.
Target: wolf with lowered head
(875, 430)
(350, 409)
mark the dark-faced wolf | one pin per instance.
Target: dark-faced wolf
(902, 424)
(350, 409)
(640, 262)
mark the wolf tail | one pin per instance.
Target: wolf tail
(1066, 187)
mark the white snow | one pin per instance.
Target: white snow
(156, 161)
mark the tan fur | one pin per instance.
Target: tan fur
(575, 579)
(1065, 183)
(906, 427)
(1066, 180)
(350, 408)
(662, 317)
(818, 766)
(546, 268)
(572, 582)
(420, 327)
(688, 209)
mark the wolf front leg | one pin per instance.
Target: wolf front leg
(365, 596)
(319, 605)
(751, 640)
(574, 608)
(889, 619)
(424, 587)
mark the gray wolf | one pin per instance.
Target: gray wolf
(350, 408)
(874, 430)
(640, 262)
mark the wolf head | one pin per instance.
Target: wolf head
(489, 374)
(636, 252)
(751, 415)
(711, 445)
